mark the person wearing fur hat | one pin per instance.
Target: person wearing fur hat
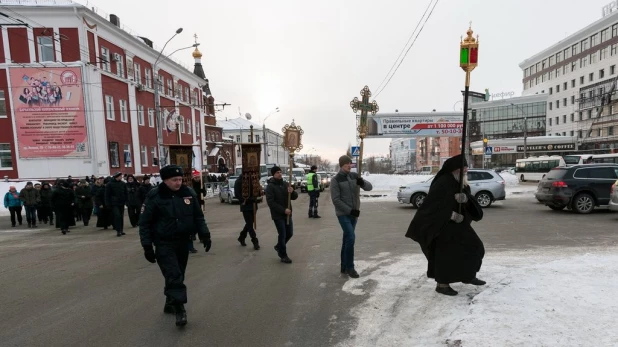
(345, 194)
(115, 198)
(133, 200)
(14, 204)
(170, 215)
(453, 250)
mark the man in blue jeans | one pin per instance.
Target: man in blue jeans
(277, 193)
(345, 193)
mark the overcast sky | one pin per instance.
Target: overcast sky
(311, 59)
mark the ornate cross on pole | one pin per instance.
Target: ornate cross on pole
(364, 106)
(292, 142)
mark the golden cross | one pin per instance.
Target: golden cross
(195, 37)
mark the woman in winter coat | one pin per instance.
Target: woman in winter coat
(45, 207)
(63, 199)
(104, 213)
(14, 204)
(83, 198)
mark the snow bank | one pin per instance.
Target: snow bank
(543, 298)
(4, 188)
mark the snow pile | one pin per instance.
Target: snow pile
(385, 187)
(4, 188)
(515, 189)
(552, 297)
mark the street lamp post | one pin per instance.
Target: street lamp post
(525, 130)
(264, 135)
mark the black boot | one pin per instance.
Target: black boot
(316, 215)
(118, 234)
(286, 260)
(181, 315)
(476, 282)
(446, 290)
(256, 244)
(168, 307)
(242, 241)
(352, 273)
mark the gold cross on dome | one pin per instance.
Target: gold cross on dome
(195, 36)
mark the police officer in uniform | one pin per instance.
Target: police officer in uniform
(169, 216)
(313, 189)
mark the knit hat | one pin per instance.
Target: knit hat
(344, 159)
(28, 183)
(274, 170)
(170, 171)
(117, 174)
(313, 167)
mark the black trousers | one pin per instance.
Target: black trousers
(15, 212)
(86, 213)
(172, 259)
(45, 213)
(248, 216)
(133, 214)
(118, 218)
(313, 203)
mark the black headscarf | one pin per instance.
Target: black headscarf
(450, 165)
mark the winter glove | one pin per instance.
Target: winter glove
(360, 181)
(461, 198)
(207, 244)
(317, 194)
(149, 254)
(355, 213)
(456, 217)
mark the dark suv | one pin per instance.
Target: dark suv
(579, 187)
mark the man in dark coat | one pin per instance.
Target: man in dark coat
(133, 200)
(115, 198)
(144, 188)
(453, 249)
(104, 213)
(277, 193)
(63, 200)
(248, 207)
(169, 216)
(45, 206)
(83, 197)
(31, 198)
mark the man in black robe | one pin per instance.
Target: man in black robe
(453, 249)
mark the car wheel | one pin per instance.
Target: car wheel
(417, 199)
(557, 207)
(484, 199)
(583, 203)
(229, 199)
(521, 178)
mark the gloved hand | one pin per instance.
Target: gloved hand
(461, 198)
(360, 181)
(149, 254)
(317, 194)
(355, 213)
(456, 217)
(207, 244)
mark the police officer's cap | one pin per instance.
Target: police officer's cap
(170, 171)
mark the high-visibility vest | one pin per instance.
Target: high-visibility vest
(310, 186)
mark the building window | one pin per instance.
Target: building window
(591, 77)
(148, 77)
(114, 157)
(581, 116)
(572, 117)
(579, 134)
(551, 90)
(138, 73)
(46, 48)
(564, 119)
(119, 65)
(237, 138)
(612, 69)
(564, 102)
(581, 80)
(181, 124)
(572, 99)
(189, 126)
(613, 49)
(151, 119)
(598, 132)
(140, 114)
(583, 62)
(170, 87)
(551, 105)
(123, 111)
(589, 114)
(572, 83)
(557, 104)
(105, 59)
(257, 138)
(557, 120)
(6, 161)
(128, 161)
(248, 138)
(550, 121)
(614, 30)
(558, 89)
(153, 155)
(143, 152)
(160, 78)
(603, 53)
(602, 73)
(610, 131)
(572, 133)
(2, 105)
(109, 107)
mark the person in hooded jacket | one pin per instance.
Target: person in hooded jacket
(45, 206)
(133, 200)
(104, 213)
(14, 204)
(277, 192)
(443, 229)
(63, 199)
(83, 198)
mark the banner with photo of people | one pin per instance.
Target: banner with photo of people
(50, 118)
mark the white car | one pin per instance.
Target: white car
(613, 202)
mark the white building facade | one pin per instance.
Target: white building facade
(577, 74)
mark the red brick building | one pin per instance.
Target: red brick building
(77, 97)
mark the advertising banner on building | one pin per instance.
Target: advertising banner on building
(415, 125)
(548, 148)
(50, 118)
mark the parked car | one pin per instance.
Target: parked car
(325, 180)
(613, 201)
(226, 193)
(579, 187)
(486, 186)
